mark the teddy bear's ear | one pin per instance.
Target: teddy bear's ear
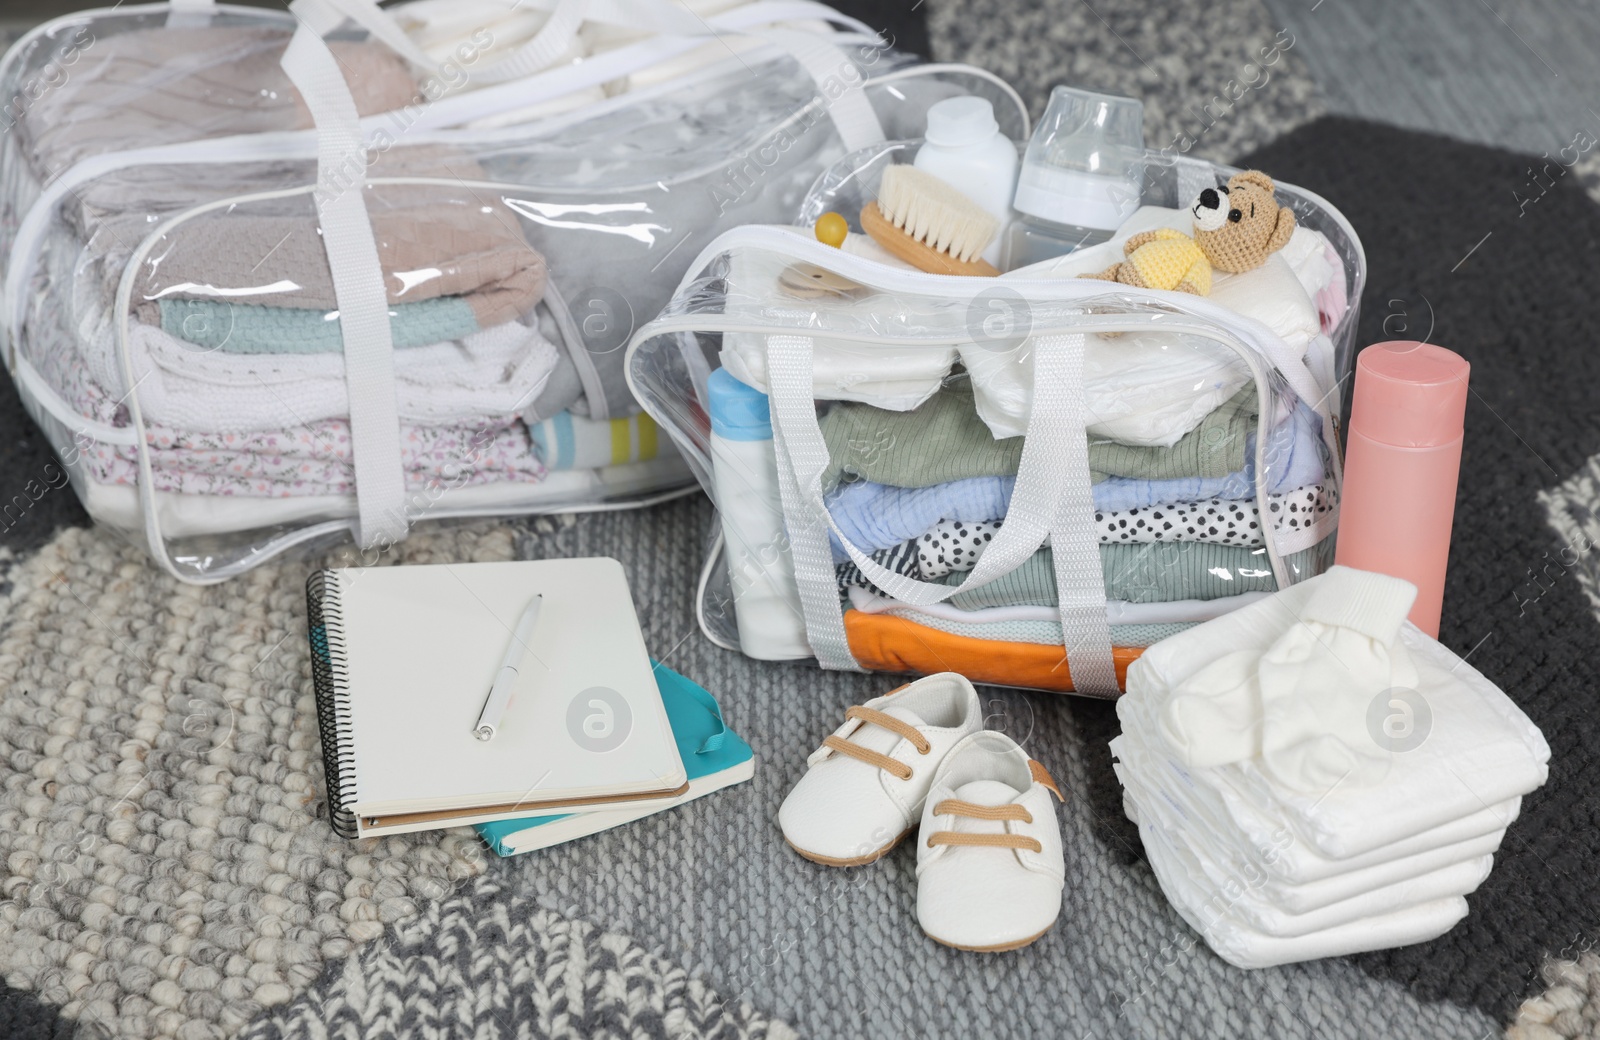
(1255, 177)
(1281, 230)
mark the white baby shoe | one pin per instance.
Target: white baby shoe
(989, 864)
(864, 790)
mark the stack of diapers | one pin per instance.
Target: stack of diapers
(1313, 776)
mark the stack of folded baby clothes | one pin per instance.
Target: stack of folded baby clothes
(1181, 540)
(1186, 451)
(231, 338)
(1312, 776)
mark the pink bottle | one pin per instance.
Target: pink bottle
(1402, 458)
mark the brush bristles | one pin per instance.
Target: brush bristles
(935, 214)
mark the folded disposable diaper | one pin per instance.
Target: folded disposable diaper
(1231, 828)
(1315, 776)
(1213, 912)
(842, 370)
(1139, 388)
(1257, 910)
(1274, 863)
(1144, 389)
(1280, 294)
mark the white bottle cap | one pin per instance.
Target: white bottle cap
(961, 121)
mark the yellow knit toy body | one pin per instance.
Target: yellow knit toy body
(1162, 259)
(1236, 228)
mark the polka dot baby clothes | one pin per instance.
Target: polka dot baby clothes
(955, 545)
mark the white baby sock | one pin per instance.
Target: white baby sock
(1301, 707)
(1319, 680)
(1214, 716)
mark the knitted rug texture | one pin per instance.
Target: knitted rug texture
(487, 961)
(1216, 79)
(169, 870)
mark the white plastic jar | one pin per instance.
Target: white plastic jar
(967, 151)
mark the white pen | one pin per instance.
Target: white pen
(505, 680)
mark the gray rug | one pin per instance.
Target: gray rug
(489, 962)
(193, 886)
(1217, 79)
(164, 872)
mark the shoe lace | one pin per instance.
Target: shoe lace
(873, 717)
(972, 810)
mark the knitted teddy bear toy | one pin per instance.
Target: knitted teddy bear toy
(1235, 229)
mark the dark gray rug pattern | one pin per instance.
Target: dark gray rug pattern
(1517, 308)
(489, 963)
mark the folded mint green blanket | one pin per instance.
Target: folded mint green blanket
(243, 328)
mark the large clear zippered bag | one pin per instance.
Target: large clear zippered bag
(932, 436)
(277, 280)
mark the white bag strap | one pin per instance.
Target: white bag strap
(1052, 496)
(324, 16)
(828, 65)
(1074, 547)
(1033, 500)
(789, 393)
(552, 40)
(832, 70)
(358, 289)
(185, 14)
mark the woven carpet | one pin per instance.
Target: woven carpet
(165, 871)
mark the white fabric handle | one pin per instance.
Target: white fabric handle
(789, 393)
(1074, 546)
(832, 70)
(552, 40)
(358, 289)
(828, 65)
(190, 14)
(1053, 496)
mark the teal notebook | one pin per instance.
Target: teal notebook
(713, 757)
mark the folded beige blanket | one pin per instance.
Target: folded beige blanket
(162, 86)
(171, 85)
(432, 241)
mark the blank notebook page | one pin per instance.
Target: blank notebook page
(423, 646)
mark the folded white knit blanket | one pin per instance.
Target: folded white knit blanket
(497, 371)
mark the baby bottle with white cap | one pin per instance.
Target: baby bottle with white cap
(966, 150)
(1082, 176)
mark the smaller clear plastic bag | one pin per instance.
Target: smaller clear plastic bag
(1027, 478)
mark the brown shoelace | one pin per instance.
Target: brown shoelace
(972, 810)
(873, 717)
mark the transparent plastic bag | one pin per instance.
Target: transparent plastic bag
(177, 323)
(1026, 478)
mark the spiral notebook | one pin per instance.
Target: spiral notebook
(713, 754)
(402, 658)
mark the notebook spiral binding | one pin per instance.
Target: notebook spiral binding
(325, 625)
